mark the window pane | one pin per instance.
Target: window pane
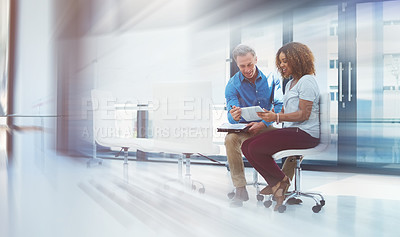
(266, 38)
(314, 27)
(378, 94)
(331, 64)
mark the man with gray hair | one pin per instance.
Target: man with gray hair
(248, 87)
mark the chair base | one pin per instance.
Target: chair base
(292, 198)
(93, 161)
(319, 202)
(186, 181)
(318, 198)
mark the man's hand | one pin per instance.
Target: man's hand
(267, 116)
(256, 127)
(236, 113)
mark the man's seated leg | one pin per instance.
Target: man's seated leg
(233, 142)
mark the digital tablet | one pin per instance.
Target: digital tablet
(250, 113)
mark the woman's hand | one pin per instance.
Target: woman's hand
(267, 116)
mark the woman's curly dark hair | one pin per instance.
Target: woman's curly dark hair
(299, 58)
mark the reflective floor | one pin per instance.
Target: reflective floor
(51, 195)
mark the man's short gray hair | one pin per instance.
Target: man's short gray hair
(242, 50)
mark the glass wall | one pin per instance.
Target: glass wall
(378, 91)
(4, 36)
(317, 27)
(266, 38)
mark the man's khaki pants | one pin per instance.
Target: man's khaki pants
(233, 143)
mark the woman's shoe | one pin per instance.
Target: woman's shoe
(280, 191)
(267, 190)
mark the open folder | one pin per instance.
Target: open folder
(228, 127)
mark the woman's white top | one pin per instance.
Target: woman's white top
(305, 89)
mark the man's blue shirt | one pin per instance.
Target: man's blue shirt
(265, 92)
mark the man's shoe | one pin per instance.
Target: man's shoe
(241, 194)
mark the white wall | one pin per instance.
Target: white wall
(34, 85)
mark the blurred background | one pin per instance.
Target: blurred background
(53, 53)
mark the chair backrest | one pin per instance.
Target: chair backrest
(183, 115)
(107, 124)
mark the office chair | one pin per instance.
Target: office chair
(324, 143)
(183, 123)
(109, 130)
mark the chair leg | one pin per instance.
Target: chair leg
(126, 149)
(297, 174)
(180, 165)
(319, 202)
(125, 155)
(188, 177)
(94, 159)
(187, 163)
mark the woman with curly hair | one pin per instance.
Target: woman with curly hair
(299, 115)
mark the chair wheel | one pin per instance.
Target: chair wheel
(202, 190)
(166, 187)
(281, 208)
(322, 203)
(193, 187)
(316, 208)
(268, 203)
(231, 195)
(260, 197)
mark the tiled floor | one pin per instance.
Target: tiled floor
(51, 195)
